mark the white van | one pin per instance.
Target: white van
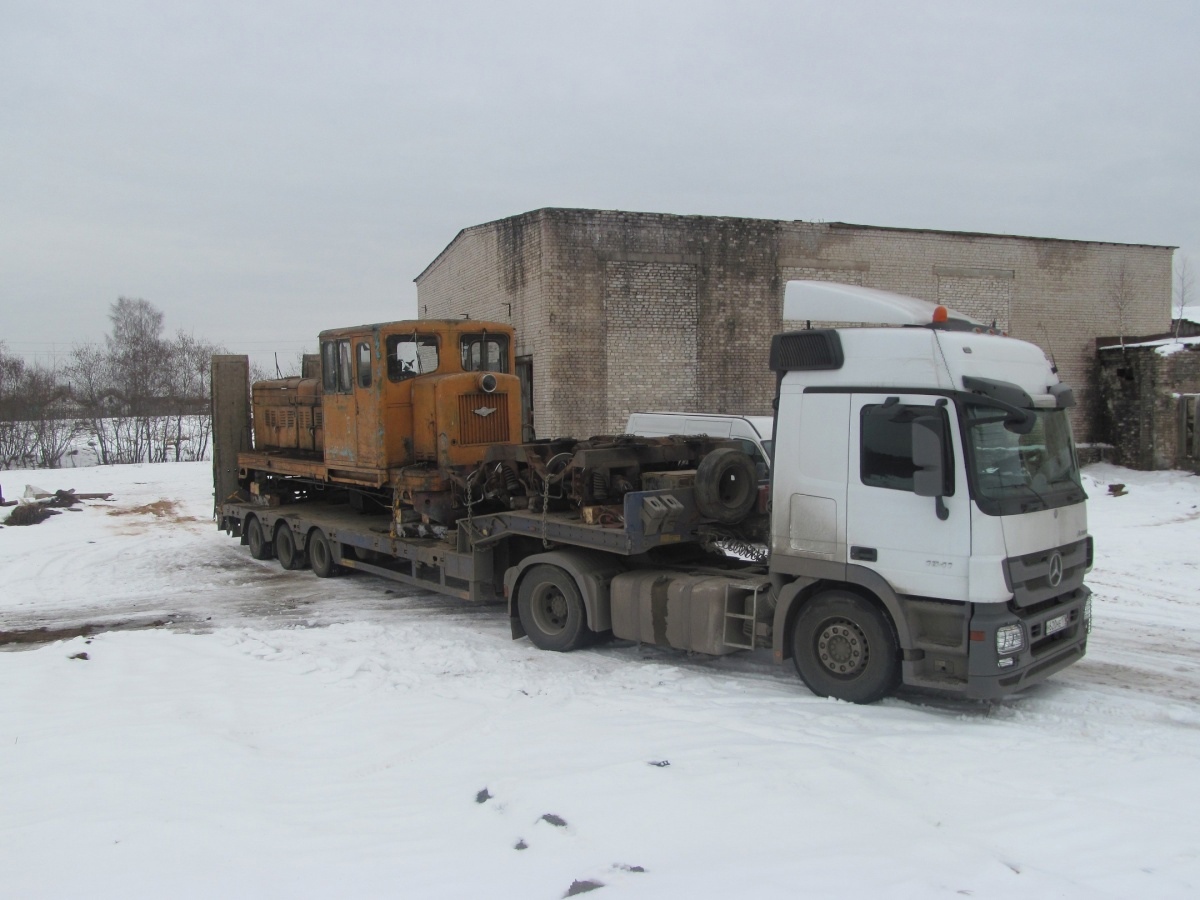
(753, 431)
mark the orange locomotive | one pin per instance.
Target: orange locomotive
(403, 412)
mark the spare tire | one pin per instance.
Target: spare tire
(726, 485)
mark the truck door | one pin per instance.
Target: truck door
(920, 544)
(341, 427)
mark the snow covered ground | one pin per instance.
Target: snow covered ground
(284, 736)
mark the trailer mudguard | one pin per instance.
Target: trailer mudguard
(592, 573)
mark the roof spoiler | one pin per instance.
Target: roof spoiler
(825, 301)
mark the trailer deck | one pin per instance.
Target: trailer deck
(461, 561)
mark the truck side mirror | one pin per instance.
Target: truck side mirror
(929, 479)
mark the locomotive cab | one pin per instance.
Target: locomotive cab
(429, 391)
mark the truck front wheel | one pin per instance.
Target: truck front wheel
(551, 609)
(844, 647)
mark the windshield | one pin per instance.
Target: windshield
(410, 355)
(485, 353)
(1014, 473)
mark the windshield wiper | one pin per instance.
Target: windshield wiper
(1025, 507)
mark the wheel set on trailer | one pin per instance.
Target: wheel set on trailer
(315, 554)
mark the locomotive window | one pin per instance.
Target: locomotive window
(336, 376)
(364, 364)
(345, 380)
(485, 353)
(329, 367)
(409, 355)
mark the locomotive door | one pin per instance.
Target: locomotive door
(367, 395)
(339, 406)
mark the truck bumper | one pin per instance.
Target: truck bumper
(1048, 645)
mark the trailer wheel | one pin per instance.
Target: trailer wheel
(260, 547)
(321, 555)
(726, 485)
(844, 647)
(551, 609)
(290, 556)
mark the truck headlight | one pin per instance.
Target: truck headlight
(1009, 638)
(1087, 615)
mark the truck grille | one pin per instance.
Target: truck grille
(1029, 576)
(483, 418)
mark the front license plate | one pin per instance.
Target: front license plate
(1058, 623)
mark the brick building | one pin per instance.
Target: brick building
(623, 311)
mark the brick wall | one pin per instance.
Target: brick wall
(983, 294)
(648, 367)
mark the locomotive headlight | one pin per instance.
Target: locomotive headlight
(1009, 639)
(487, 382)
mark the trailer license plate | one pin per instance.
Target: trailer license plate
(1058, 623)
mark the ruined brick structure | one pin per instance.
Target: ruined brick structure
(1150, 401)
(623, 311)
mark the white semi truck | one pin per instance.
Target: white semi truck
(924, 524)
(926, 488)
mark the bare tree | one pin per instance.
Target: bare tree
(189, 366)
(259, 372)
(140, 397)
(137, 356)
(1183, 291)
(1120, 294)
(91, 383)
(52, 420)
(37, 422)
(14, 429)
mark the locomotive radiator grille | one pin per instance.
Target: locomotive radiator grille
(281, 418)
(311, 418)
(483, 418)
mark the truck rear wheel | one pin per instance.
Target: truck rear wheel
(844, 647)
(260, 547)
(320, 554)
(290, 556)
(551, 609)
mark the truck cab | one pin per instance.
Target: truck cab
(928, 470)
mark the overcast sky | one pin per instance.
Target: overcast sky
(263, 170)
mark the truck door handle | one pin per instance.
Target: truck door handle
(866, 554)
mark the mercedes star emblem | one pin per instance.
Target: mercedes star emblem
(1055, 569)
